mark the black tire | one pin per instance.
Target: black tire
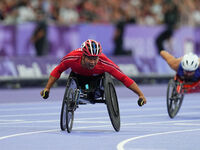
(112, 102)
(67, 110)
(174, 99)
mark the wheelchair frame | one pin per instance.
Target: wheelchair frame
(75, 95)
(175, 94)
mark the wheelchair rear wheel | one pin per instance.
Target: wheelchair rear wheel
(112, 102)
(174, 98)
(68, 107)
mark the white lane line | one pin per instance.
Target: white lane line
(47, 114)
(28, 126)
(120, 146)
(86, 120)
(96, 118)
(46, 131)
(28, 115)
(124, 117)
(9, 120)
(178, 122)
(47, 121)
(37, 121)
(82, 111)
(138, 116)
(187, 124)
(37, 108)
(159, 122)
(58, 107)
(30, 108)
(93, 122)
(51, 107)
(27, 133)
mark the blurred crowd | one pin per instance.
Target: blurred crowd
(145, 12)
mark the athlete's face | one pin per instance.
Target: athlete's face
(90, 61)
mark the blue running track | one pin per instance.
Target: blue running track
(27, 122)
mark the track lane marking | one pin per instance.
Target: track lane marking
(120, 146)
(27, 133)
(127, 116)
(97, 118)
(47, 131)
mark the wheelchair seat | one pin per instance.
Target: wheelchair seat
(91, 86)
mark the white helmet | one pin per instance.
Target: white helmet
(190, 62)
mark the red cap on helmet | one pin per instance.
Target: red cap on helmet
(91, 48)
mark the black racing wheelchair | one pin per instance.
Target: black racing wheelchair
(83, 90)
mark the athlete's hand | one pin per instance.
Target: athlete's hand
(142, 101)
(45, 93)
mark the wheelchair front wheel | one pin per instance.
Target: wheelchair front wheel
(174, 99)
(112, 103)
(67, 111)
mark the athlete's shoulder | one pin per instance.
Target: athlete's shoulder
(107, 62)
(103, 57)
(76, 52)
(73, 55)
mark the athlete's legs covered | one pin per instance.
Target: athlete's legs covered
(92, 85)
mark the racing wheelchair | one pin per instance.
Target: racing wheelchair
(89, 90)
(175, 94)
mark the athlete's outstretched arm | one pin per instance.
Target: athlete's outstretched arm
(45, 92)
(171, 60)
(134, 87)
(115, 71)
(55, 74)
(50, 82)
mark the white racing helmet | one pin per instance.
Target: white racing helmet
(190, 62)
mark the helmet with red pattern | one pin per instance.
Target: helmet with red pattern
(91, 48)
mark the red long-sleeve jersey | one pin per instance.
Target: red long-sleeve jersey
(73, 61)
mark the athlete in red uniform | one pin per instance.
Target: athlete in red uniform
(90, 61)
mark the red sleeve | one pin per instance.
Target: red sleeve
(57, 71)
(115, 71)
(65, 63)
